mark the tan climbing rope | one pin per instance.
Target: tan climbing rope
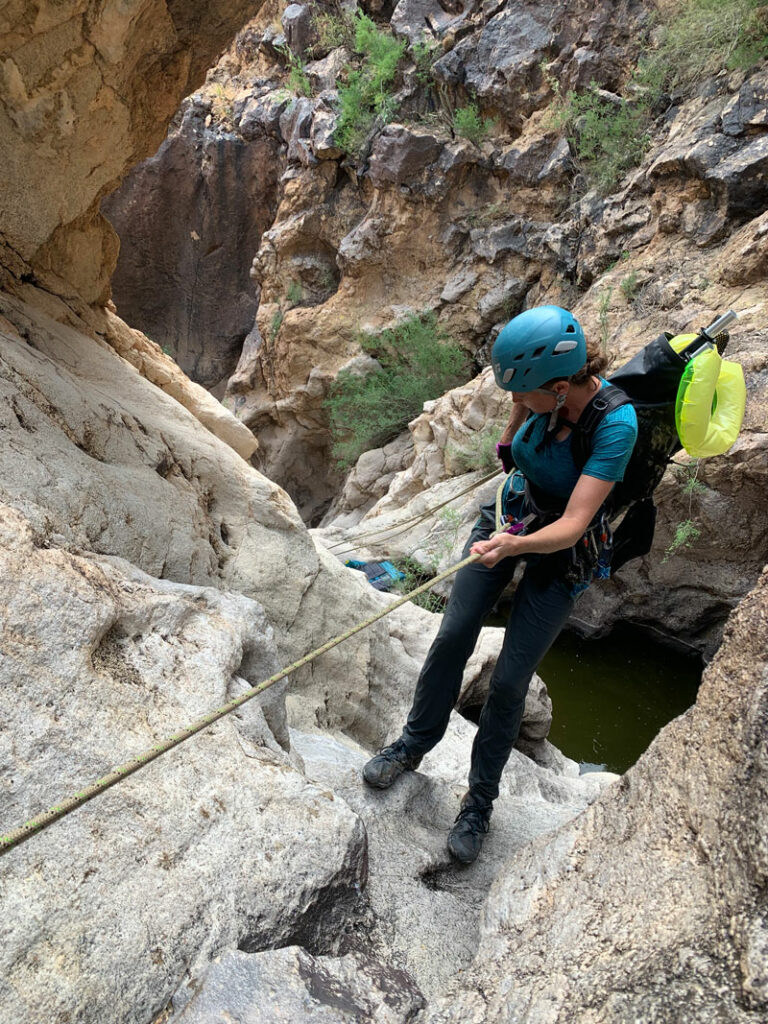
(386, 533)
(30, 828)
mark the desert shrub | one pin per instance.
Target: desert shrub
(222, 102)
(298, 79)
(701, 37)
(603, 308)
(607, 137)
(478, 451)
(629, 286)
(698, 39)
(415, 574)
(367, 92)
(424, 54)
(687, 531)
(417, 361)
(332, 30)
(469, 124)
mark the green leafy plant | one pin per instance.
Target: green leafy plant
(478, 452)
(687, 532)
(629, 286)
(276, 323)
(424, 54)
(603, 305)
(417, 361)
(469, 124)
(295, 293)
(298, 79)
(366, 94)
(686, 535)
(687, 477)
(415, 575)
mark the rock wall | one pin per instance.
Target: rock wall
(427, 220)
(87, 91)
(149, 574)
(190, 218)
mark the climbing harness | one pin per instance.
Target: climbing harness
(30, 828)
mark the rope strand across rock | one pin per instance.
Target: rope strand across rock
(30, 828)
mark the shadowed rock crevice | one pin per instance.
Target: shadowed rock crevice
(190, 219)
(332, 920)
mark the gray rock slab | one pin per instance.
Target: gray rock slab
(220, 842)
(426, 909)
(289, 985)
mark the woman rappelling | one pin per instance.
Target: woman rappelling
(551, 515)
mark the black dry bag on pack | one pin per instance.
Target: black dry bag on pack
(650, 381)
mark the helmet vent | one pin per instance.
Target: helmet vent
(508, 375)
(564, 346)
(570, 329)
(539, 352)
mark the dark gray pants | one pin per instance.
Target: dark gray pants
(540, 608)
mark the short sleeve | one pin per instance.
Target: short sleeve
(612, 445)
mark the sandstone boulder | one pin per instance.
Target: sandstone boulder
(219, 843)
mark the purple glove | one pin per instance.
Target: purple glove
(504, 452)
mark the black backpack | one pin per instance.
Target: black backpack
(650, 381)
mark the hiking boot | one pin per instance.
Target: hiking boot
(472, 823)
(390, 762)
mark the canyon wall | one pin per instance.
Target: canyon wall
(423, 219)
(151, 573)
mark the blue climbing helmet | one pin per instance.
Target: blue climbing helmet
(541, 344)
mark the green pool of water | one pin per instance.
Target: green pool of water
(610, 697)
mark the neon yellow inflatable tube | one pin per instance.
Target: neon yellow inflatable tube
(710, 402)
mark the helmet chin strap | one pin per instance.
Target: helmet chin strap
(559, 403)
(560, 398)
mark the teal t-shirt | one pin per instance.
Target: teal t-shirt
(553, 468)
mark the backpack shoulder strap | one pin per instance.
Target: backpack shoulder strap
(606, 400)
